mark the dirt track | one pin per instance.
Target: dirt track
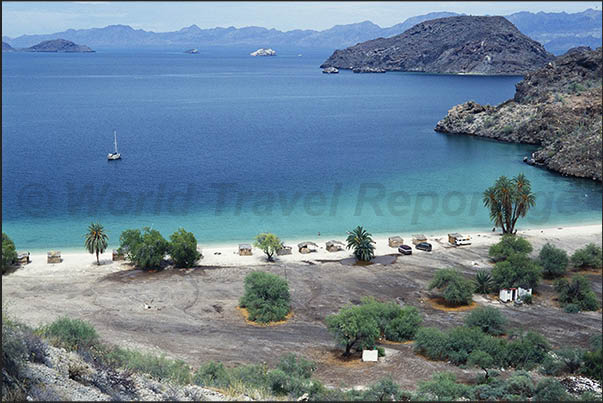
(193, 313)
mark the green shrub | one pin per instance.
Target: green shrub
(353, 328)
(159, 367)
(296, 366)
(527, 299)
(571, 358)
(593, 364)
(145, 249)
(212, 374)
(461, 341)
(576, 292)
(590, 256)
(384, 390)
(488, 319)
(456, 289)
(571, 308)
(527, 350)
(183, 248)
(382, 312)
(9, 254)
(70, 334)
(507, 246)
(550, 390)
(431, 342)
(552, 366)
(281, 383)
(269, 243)
(520, 384)
(554, 261)
(266, 297)
(483, 282)
(404, 327)
(380, 351)
(481, 359)
(518, 270)
(14, 350)
(596, 341)
(443, 386)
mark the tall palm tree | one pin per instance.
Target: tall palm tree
(508, 200)
(362, 242)
(96, 240)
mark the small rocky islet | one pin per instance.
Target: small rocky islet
(51, 46)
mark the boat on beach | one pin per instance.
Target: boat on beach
(115, 155)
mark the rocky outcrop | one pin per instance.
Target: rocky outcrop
(60, 46)
(557, 107)
(263, 52)
(462, 44)
(6, 47)
(330, 70)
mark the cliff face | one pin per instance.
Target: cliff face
(59, 45)
(557, 107)
(464, 44)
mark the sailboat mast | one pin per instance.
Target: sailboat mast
(115, 140)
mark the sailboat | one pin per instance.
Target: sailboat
(115, 155)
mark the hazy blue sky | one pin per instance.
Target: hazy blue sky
(39, 17)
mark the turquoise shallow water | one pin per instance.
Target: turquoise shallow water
(228, 145)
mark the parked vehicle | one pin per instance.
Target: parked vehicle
(426, 246)
(405, 249)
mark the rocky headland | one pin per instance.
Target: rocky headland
(557, 107)
(460, 45)
(58, 46)
(6, 47)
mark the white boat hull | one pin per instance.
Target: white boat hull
(113, 156)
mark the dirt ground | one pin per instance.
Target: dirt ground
(192, 314)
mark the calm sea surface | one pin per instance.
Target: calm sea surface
(227, 145)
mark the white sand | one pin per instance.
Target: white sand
(569, 238)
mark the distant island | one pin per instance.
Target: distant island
(263, 52)
(558, 32)
(58, 46)
(557, 107)
(460, 45)
(6, 47)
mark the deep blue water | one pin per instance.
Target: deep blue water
(229, 145)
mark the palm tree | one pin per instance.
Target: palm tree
(508, 200)
(96, 240)
(361, 241)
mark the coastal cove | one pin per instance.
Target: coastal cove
(227, 145)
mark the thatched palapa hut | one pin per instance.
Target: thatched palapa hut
(118, 255)
(395, 241)
(23, 257)
(284, 250)
(245, 249)
(334, 246)
(307, 247)
(54, 256)
(418, 238)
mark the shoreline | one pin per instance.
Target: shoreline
(226, 254)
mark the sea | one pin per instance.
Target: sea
(226, 146)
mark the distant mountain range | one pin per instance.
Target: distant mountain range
(556, 31)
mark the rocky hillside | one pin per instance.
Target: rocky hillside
(462, 44)
(59, 45)
(6, 47)
(557, 107)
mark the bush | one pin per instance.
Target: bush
(520, 384)
(488, 319)
(554, 261)
(443, 386)
(269, 243)
(266, 297)
(507, 246)
(70, 334)
(461, 341)
(431, 342)
(380, 351)
(551, 390)
(456, 289)
(145, 249)
(552, 366)
(576, 292)
(483, 282)
(384, 390)
(527, 299)
(404, 326)
(296, 366)
(481, 359)
(517, 270)
(590, 256)
(593, 364)
(183, 248)
(527, 350)
(353, 328)
(281, 383)
(572, 359)
(212, 374)
(159, 367)
(571, 308)
(9, 254)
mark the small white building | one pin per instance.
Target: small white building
(513, 294)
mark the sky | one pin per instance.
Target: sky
(20, 18)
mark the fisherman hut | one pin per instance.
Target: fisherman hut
(418, 238)
(118, 255)
(23, 258)
(395, 241)
(245, 249)
(284, 250)
(54, 256)
(334, 246)
(307, 247)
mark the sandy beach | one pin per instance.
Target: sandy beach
(226, 255)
